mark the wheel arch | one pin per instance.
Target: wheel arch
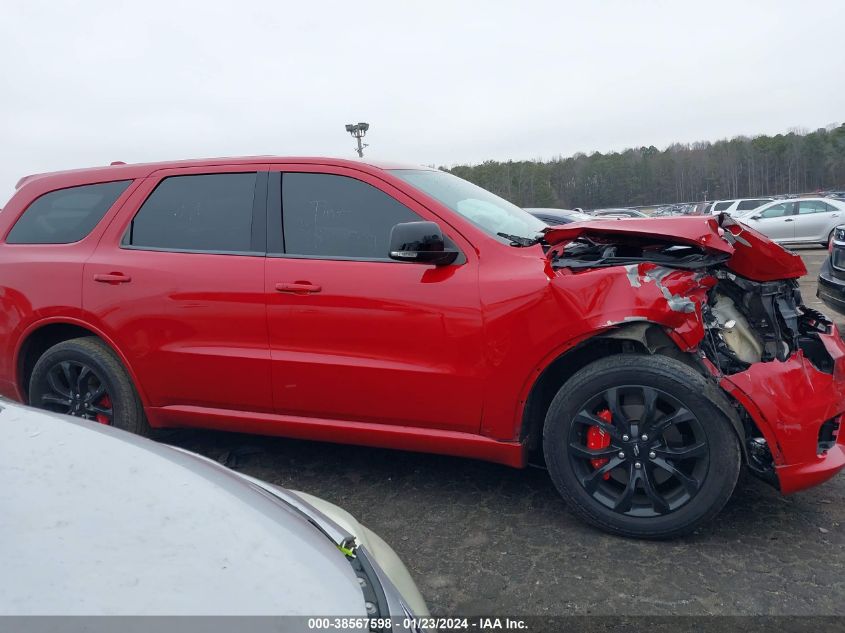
(643, 337)
(42, 335)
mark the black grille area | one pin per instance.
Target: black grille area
(837, 261)
(816, 353)
(827, 434)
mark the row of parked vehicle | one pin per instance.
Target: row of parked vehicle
(378, 304)
(807, 220)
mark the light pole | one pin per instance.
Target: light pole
(359, 130)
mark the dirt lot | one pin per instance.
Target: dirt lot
(481, 538)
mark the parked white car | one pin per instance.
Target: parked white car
(739, 206)
(97, 521)
(799, 221)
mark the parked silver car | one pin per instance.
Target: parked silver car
(555, 217)
(802, 220)
(97, 521)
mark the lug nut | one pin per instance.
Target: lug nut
(652, 455)
(625, 438)
(637, 465)
(645, 438)
(621, 455)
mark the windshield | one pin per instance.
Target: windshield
(487, 211)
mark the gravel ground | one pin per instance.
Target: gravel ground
(481, 538)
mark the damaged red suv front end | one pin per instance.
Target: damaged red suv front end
(730, 297)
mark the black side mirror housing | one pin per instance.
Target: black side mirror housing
(420, 242)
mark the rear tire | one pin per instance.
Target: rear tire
(84, 378)
(660, 487)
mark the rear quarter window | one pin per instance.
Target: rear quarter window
(747, 205)
(66, 215)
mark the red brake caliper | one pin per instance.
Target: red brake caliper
(598, 438)
(105, 402)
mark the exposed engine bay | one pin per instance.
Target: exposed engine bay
(749, 322)
(589, 252)
(745, 321)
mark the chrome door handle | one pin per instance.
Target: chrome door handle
(112, 278)
(298, 288)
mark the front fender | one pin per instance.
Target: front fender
(527, 332)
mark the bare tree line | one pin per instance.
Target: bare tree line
(797, 162)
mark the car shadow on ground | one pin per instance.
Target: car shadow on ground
(481, 538)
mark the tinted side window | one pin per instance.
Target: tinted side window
(66, 215)
(208, 212)
(746, 205)
(335, 216)
(721, 206)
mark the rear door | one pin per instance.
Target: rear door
(354, 335)
(815, 220)
(177, 282)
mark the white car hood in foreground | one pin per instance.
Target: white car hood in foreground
(96, 521)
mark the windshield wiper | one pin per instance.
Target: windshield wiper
(521, 242)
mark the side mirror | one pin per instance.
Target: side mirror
(420, 242)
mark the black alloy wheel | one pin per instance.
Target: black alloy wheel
(76, 389)
(85, 378)
(656, 455)
(642, 446)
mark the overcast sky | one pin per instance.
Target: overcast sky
(86, 83)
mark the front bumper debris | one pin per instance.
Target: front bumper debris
(789, 401)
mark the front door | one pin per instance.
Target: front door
(815, 220)
(776, 222)
(357, 336)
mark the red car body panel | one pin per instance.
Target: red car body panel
(413, 357)
(694, 230)
(791, 424)
(753, 255)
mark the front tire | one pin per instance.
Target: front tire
(84, 378)
(829, 239)
(637, 447)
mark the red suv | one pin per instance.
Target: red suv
(642, 360)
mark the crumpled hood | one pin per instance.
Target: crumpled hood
(752, 254)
